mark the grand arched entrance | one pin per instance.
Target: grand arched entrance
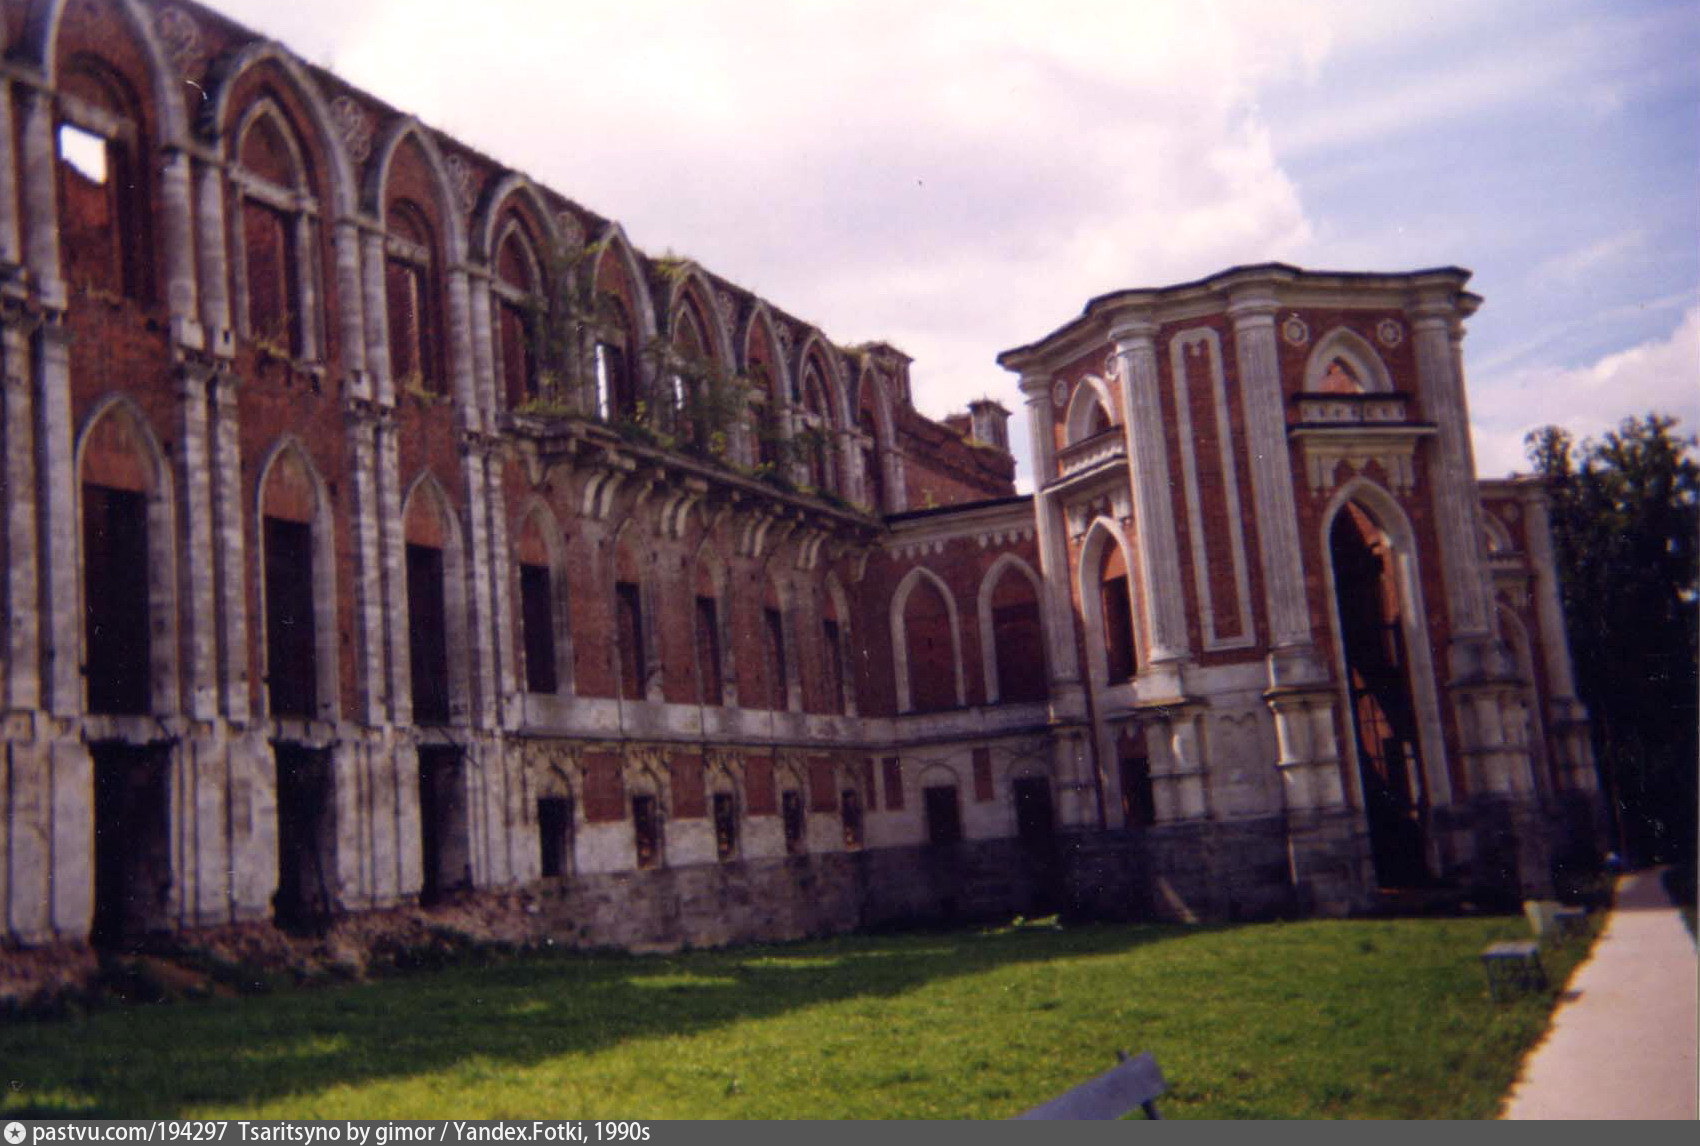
(1384, 725)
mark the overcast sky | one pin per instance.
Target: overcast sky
(959, 178)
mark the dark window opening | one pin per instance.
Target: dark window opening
(1384, 723)
(646, 830)
(537, 622)
(628, 638)
(306, 840)
(1138, 807)
(1118, 630)
(792, 818)
(832, 642)
(1035, 822)
(725, 825)
(428, 648)
(944, 815)
(98, 218)
(132, 843)
(444, 845)
(712, 683)
(555, 834)
(850, 812)
(774, 630)
(291, 638)
(931, 650)
(115, 596)
(273, 277)
(1018, 640)
(514, 336)
(413, 361)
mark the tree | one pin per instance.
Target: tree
(1626, 521)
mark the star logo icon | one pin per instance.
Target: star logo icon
(15, 1133)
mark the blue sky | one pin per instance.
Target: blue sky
(958, 178)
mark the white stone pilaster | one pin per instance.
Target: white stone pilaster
(1292, 658)
(352, 309)
(197, 620)
(377, 331)
(214, 258)
(176, 213)
(39, 197)
(1161, 592)
(1061, 648)
(10, 250)
(1456, 504)
(230, 548)
(490, 397)
(17, 454)
(61, 627)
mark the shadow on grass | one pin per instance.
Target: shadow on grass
(162, 1060)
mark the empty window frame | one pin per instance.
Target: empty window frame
(850, 815)
(428, 647)
(794, 822)
(944, 814)
(725, 809)
(291, 633)
(555, 835)
(537, 625)
(832, 665)
(629, 640)
(773, 632)
(711, 687)
(116, 629)
(410, 297)
(646, 830)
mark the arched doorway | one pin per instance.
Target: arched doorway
(1384, 724)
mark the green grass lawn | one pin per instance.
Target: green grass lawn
(1366, 1019)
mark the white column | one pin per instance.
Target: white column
(17, 448)
(214, 258)
(1457, 507)
(10, 251)
(377, 332)
(1055, 573)
(177, 217)
(197, 617)
(1161, 588)
(1292, 658)
(230, 549)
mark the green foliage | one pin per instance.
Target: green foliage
(1325, 1018)
(1625, 515)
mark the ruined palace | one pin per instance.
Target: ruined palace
(383, 528)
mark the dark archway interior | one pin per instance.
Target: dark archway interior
(1383, 717)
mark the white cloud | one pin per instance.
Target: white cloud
(1661, 375)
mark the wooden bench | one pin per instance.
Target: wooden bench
(1133, 1083)
(1514, 965)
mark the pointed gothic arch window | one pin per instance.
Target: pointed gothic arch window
(272, 264)
(104, 183)
(411, 269)
(1018, 639)
(516, 312)
(931, 648)
(1116, 610)
(615, 362)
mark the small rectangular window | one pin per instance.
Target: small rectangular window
(791, 814)
(537, 620)
(555, 834)
(646, 830)
(725, 825)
